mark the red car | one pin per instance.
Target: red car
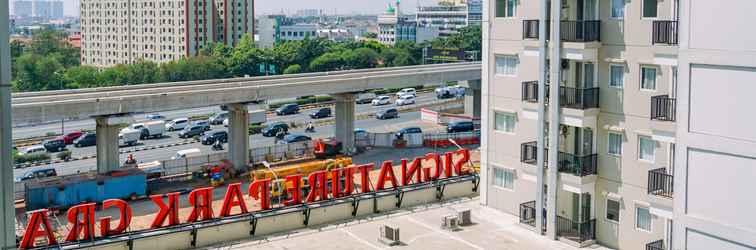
(70, 137)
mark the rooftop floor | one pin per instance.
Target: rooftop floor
(420, 228)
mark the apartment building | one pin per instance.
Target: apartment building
(449, 16)
(608, 142)
(274, 29)
(125, 31)
(38, 8)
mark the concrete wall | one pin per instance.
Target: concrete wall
(238, 229)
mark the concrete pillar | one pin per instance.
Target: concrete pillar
(540, 133)
(554, 117)
(7, 209)
(472, 97)
(238, 135)
(344, 115)
(107, 143)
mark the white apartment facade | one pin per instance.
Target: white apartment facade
(125, 31)
(615, 120)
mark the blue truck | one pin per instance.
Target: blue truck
(64, 192)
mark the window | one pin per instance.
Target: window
(505, 8)
(503, 178)
(642, 219)
(614, 144)
(646, 148)
(507, 65)
(648, 78)
(618, 9)
(617, 76)
(612, 210)
(504, 122)
(649, 8)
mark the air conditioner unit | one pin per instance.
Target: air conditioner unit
(389, 235)
(464, 217)
(450, 222)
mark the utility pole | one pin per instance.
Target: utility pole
(7, 221)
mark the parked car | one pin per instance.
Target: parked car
(387, 114)
(218, 118)
(287, 109)
(405, 100)
(177, 124)
(71, 136)
(273, 128)
(294, 138)
(410, 130)
(381, 100)
(321, 113)
(32, 150)
(407, 91)
(154, 117)
(191, 131)
(204, 123)
(212, 137)
(38, 173)
(461, 126)
(55, 145)
(86, 140)
(365, 98)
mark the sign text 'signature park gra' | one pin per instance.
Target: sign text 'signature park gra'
(81, 219)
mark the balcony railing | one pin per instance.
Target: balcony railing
(528, 215)
(569, 97)
(656, 245)
(571, 31)
(660, 183)
(568, 163)
(664, 32)
(576, 231)
(663, 108)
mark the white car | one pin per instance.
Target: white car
(407, 91)
(382, 100)
(405, 100)
(177, 124)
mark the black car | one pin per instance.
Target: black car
(288, 109)
(55, 145)
(212, 137)
(273, 128)
(294, 138)
(410, 130)
(321, 113)
(456, 127)
(217, 118)
(192, 131)
(86, 140)
(387, 114)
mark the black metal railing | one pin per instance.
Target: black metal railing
(660, 183)
(580, 31)
(530, 29)
(527, 213)
(528, 153)
(656, 245)
(663, 108)
(569, 97)
(578, 165)
(576, 231)
(664, 32)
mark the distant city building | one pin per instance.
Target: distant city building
(38, 8)
(450, 16)
(309, 13)
(274, 29)
(394, 27)
(336, 34)
(122, 32)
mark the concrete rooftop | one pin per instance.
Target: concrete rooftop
(419, 229)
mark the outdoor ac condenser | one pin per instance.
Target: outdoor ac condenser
(464, 217)
(389, 235)
(450, 222)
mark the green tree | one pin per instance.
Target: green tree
(293, 69)
(81, 77)
(327, 62)
(360, 58)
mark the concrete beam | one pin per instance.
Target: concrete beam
(238, 135)
(344, 115)
(106, 130)
(472, 97)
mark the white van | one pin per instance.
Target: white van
(32, 149)
(181, 154)
(407, 91)
(177, 124)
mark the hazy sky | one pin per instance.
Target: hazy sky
(275, 6)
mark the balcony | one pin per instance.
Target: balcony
(664, 32)
(568, 163)
(580, 232)
(663, 108)
(656, 245)
(569, 97)
(528, 215)
(660, 183)
(570, 31)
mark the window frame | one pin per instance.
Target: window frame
(505, 113)
(650, 219)
(503, 185)
(611, 10)
(606, 210)
(640, 149)
(506, 57)
(642, 77)
(611, 78)
(609, 143)
(643, 10)
(506, 9)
